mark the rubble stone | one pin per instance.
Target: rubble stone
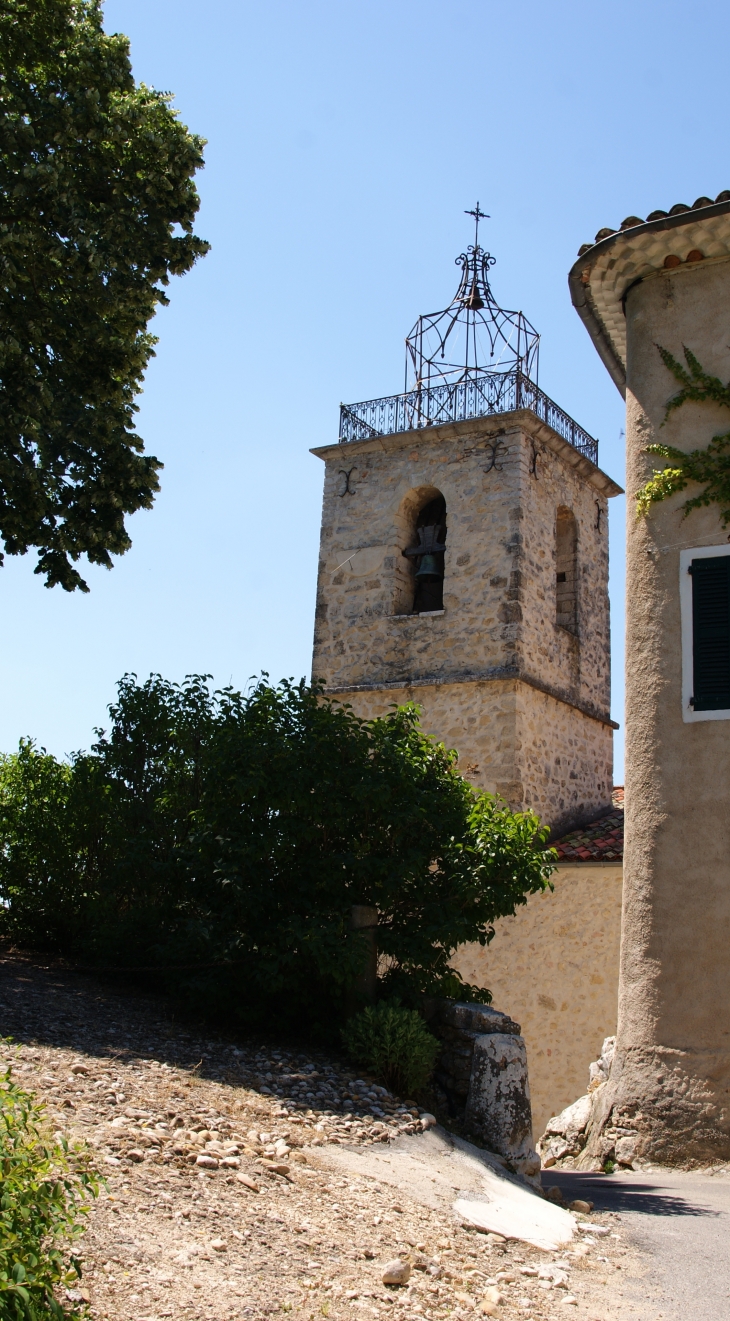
(396, 1272)
(567, 1134)
(298, 1243)
(626, 1150)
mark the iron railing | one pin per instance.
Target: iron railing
(477, 396)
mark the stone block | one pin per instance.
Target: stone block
(473, 1018)
(498, 1106)
(458, 1025)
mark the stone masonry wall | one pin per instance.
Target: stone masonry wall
(503, 480)
(554, 967)
(536, 742)
(478, 719)
(512, 740)
(578, 664)
(565, 760)
(481, 1074)
(364, 631)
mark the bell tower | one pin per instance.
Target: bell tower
(464, 560)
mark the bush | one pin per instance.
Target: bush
(50, 822)
(394, 1044)
(221, 840)
(44, 1199)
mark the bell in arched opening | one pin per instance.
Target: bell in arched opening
(429, 556)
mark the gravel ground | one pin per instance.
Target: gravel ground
(221, 1200)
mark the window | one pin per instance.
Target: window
(428, 556)
(566, 583)
(705, 606)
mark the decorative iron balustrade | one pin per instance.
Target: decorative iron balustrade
(477, 396)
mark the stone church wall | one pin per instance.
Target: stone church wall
(554, 968)
(565, 760)
(499, 677)
(512, 740)
(514, 673)
(500, 584)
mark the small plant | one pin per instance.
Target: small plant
(395, 1044)
(45, 1189)
(609, 1166)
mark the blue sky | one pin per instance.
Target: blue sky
(344, 143)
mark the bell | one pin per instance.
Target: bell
(431, 568)
(475, 301)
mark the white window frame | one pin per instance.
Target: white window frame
(689, 715)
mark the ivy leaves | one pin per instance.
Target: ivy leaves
(709, 466)
(696, 383)
(97, 202)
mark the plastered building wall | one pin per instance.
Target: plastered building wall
(523, 700)
(554, 967)
(673, 1048)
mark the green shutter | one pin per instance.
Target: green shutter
(711, 633)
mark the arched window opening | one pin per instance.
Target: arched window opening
(428, 556)
(566, 586)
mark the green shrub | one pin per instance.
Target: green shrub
(393, 1043)
(44, 1198)
(222, 839)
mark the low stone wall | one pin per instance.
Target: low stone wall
(555, 965)
(482, 1073)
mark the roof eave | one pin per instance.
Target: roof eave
(579, 285)
(583, 303)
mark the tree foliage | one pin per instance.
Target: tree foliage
(97, 202)
(222, 840)
(710, 466)
(47, 1188)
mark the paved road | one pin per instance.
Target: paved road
(681, 1221)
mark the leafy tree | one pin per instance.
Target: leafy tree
(54, 843)
(222, 840)
(97, 202)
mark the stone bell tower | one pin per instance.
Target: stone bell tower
(464, 561)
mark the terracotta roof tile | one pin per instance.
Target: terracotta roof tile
(601, 840)
(630, 222)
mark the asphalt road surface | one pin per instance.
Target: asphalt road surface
(681, 1222)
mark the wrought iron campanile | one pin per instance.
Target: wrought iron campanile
(471, 359)
(473, 336)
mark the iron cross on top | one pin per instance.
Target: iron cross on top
(478, 215)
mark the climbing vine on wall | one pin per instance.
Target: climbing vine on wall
(710, 466)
